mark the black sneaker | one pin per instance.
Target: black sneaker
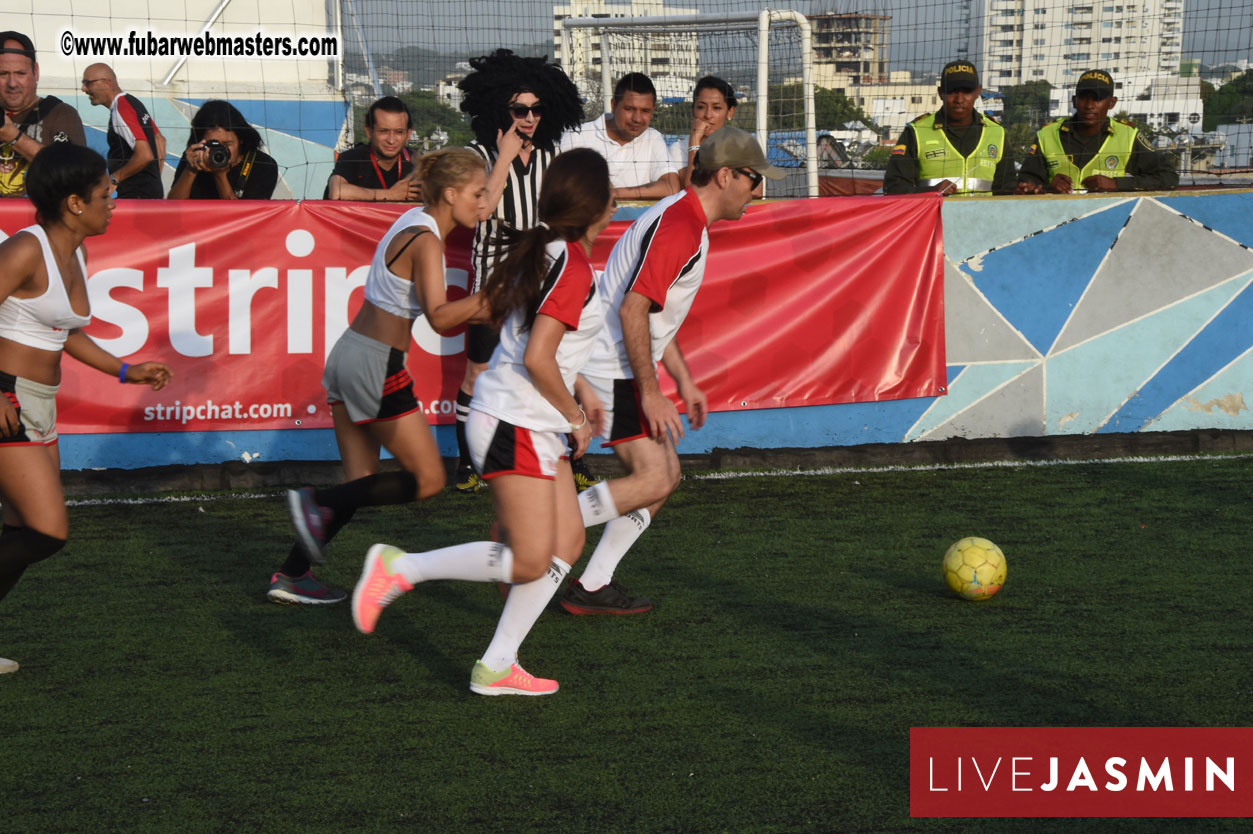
(583, 478)
(468, 480)
(611, 599)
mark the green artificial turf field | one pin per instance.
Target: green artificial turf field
(801, 628)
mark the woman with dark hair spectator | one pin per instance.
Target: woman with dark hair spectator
(543, 296)
(713, 105)
(223, 160)
(518, 109)
(373, 405)
(43, 308)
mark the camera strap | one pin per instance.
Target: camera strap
(244, 172)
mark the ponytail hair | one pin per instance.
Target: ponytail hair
(575, 193)
(447, 168)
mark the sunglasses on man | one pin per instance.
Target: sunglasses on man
(754, 178)
(520, 111)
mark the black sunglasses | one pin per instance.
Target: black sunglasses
(519, 111)
(753, 177)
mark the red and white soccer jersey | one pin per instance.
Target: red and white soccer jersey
(129, 123)
(570, 295)
(661, 256)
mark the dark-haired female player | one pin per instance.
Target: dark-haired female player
(544, 293)
(370, 391)
(43, 308)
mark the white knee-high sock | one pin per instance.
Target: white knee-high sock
(526, 602)
(614, 543)
(473, 561)
(597, 505)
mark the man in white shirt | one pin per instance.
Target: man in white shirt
(639, 161)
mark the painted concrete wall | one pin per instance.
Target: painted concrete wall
(1076, 315)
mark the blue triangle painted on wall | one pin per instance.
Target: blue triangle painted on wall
(1223, 339)
(1036, 282)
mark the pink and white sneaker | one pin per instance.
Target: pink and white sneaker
(513, 681)
(310, 521)
(377, 587)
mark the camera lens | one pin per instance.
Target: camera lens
(219, 156)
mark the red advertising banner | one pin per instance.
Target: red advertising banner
(807, 302)
(1080, 771)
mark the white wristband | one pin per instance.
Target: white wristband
(573, 427)
(693, 148)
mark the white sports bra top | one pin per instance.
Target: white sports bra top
(383, 288)
(45, 321)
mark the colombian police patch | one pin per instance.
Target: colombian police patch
(992, 151)
(899, 150)
(1111, 162)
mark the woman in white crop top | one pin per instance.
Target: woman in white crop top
(43, 308)
(369, 390)
(543, 294)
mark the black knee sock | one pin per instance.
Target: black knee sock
(9, 579)
(380, 490)
(463, 411)
(21, 547)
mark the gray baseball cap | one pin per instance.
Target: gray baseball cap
(730, 147)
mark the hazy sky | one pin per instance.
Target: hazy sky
(923, 32)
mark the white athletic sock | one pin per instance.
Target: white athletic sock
(596, 504)
(526, 602)
(614, 543)
(473, 561)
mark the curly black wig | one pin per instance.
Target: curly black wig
(498, 77)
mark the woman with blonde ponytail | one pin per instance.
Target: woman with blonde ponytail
(522, 421)
(369, 390)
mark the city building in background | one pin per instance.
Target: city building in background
(669, 59)
(1056, 40)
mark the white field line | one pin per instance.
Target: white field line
(723, 476)
(943, 467)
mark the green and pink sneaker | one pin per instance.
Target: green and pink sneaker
(513, 681)
(377, 587)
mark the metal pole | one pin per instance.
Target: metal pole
(606, 82)
(165, 82)
(763, 84)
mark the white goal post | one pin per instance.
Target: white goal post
(761, 21)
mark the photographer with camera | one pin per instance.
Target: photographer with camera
(223, 160)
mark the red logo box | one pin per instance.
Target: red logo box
(1081, 771)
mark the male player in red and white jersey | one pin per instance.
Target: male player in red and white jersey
(136, 145)
(649, 283)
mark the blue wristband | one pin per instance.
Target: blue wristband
(121, 375)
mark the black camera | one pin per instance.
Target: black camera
(217, 155)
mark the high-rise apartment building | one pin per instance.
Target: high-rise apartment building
(1056, 40)
(852, 46)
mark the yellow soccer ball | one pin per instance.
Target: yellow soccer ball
(974, 568)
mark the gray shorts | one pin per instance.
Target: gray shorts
(369, 378)
(36, 406)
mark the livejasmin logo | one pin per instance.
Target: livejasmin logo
(1080, 771)
(1150, 777)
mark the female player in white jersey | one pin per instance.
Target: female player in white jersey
(369, 389)
(43, 308)
(544, 291)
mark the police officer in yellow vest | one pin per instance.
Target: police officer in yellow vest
(957, 150)
(1089, 150)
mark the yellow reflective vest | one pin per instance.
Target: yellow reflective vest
(938, 160)
(1110, 161)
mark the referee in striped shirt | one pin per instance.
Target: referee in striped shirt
(518, 109)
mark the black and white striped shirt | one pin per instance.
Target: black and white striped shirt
(518, 206)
